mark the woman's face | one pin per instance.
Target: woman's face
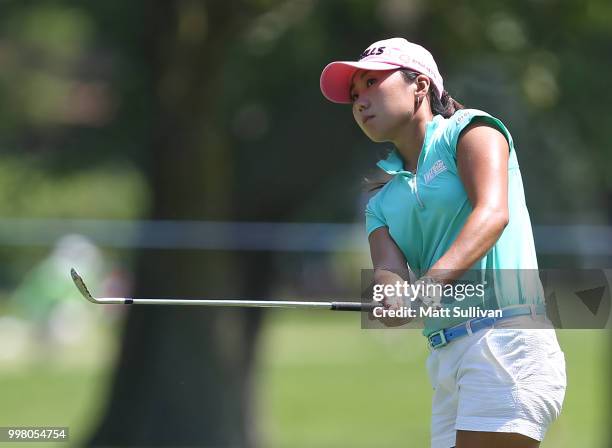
(383, 102)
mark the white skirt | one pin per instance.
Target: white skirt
(497, 380)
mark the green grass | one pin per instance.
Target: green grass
(51, 397)
(322, 382)
(326, 382)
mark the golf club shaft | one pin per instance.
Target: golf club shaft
(334, 306)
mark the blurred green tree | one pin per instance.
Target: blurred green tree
(184, 375)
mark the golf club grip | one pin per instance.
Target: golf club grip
(353, 306)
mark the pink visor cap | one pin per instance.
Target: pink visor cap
(386, 54)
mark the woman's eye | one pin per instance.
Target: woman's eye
(370, 81)
(354, 97)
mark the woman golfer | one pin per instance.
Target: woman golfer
(455, 204)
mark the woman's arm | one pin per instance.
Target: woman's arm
(482, 161)
(388, 260)
(390, 266)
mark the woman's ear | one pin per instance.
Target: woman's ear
(422, 84)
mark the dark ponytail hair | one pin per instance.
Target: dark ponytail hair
(445, 106)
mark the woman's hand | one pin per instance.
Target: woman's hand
(393, 304)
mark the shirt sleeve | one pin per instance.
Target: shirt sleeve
(462, 118)
(373, 217)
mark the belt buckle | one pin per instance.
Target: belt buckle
(442, 342)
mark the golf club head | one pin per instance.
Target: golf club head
(80, 284)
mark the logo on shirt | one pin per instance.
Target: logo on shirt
(437, 168)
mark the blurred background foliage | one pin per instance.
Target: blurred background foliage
(205, 110)
(77, 90)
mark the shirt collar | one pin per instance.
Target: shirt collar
(393, 164)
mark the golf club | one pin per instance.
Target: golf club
(333, 306)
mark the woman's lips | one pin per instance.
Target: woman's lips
(366, 119)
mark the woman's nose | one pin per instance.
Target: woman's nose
(362, 104)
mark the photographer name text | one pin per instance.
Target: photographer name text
(456, 311)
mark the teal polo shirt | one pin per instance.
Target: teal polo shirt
(425, 212)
